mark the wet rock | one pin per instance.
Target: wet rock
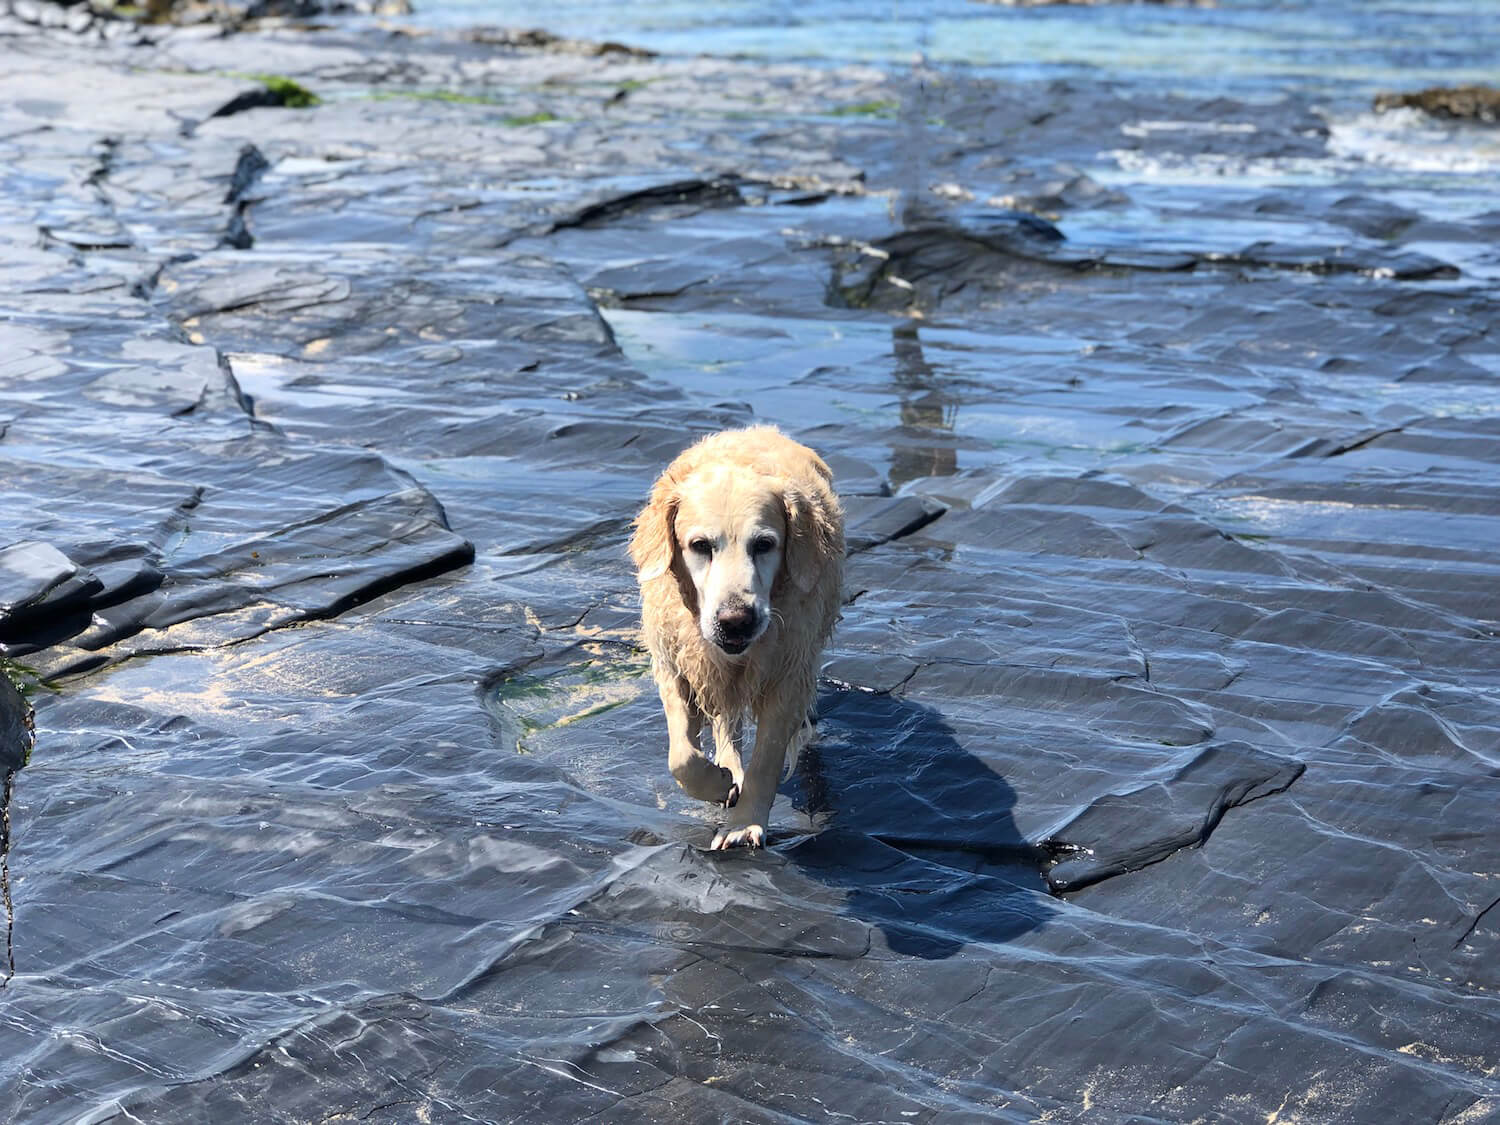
(273, 290)
(540, 39)
(247, 169)
(257, 98)
(1375, 218)
(1142, 526)
(678, 198)
(37, 578)
(1472, 102)
(1052, 191)
(327, 556)
(73, 18)
(120, 21)
(1124, 832)
(308, 9)
(870, 522)
(16, 738)
(1366, 215)
(1337, 259)
(925, 266)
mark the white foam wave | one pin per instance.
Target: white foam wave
(1411, 141)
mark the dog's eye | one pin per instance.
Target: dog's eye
(762, 544)
(701, 547)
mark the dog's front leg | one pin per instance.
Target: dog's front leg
(746, 823)
(729, 737)
(698, 776)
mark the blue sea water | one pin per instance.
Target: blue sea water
(1343, 48)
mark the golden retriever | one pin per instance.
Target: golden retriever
(740, 557)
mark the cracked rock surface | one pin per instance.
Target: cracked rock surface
(1158, 768)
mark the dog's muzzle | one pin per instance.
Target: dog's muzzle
(736, 625)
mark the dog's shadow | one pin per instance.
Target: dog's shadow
(915, 829)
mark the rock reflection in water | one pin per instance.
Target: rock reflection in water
(927, 411)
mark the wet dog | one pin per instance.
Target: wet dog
(739, 552)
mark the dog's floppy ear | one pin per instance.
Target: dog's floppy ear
(654, 542)
(812, 534)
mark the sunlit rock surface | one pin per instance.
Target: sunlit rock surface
(1159, 756)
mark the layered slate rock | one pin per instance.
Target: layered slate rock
(1158, 759)
(189, 524)
(1122, 832)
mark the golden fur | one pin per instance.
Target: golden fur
(757, 486)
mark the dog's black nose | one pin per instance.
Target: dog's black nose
(735, 624)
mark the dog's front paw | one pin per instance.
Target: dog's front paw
(751, 836)
(745, 826)
(700, 778)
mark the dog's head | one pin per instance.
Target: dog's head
(732, 538)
